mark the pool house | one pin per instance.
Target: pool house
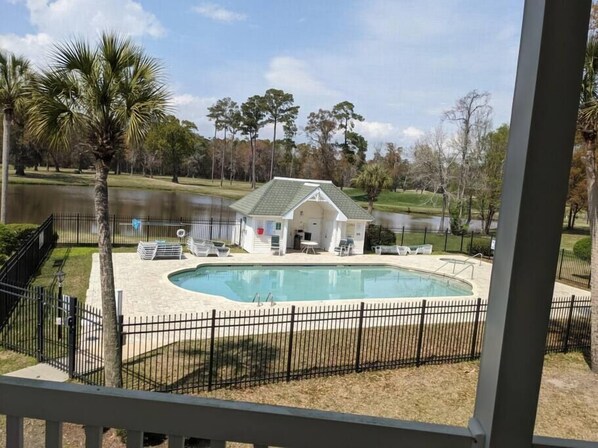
(299, 210)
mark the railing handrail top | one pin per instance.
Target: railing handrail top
(213, 418)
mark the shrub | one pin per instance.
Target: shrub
(480, 245)
(583, 249)
(379, 236)
(23, 231)
(12, 236)
(458, 225)
(8, 240)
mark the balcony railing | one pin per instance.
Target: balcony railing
(217, 420)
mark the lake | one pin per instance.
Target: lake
(34, 203)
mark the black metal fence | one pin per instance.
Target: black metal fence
(24, 263)
(569, 268)
(190, 353)
(466, 243)
(57, 330)
(77, 229)
(573, 269)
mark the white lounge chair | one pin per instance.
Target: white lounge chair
(159, 249)
(403, 250)
(424, 249)
(168, 250)
(147, 251)
(204, 248)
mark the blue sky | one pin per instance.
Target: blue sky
(402, 62)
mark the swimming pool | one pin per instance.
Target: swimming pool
(316, 282)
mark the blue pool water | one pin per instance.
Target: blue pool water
(321, 282)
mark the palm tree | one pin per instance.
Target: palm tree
(587, 125)
(14, 77)
(279, 108)
(373, 179)
(252, 120)
(107, 96)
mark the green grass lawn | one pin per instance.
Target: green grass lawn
(11, 361)
(75, 262)
(569, 238)
(401, 202)
(67, 176)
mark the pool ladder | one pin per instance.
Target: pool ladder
(468, 265)
(257, 298)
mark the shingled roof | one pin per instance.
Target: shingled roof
(280, 195)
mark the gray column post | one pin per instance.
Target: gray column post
(535, 184)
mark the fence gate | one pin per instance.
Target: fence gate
(53, 329)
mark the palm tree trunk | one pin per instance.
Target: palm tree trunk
(370, 205)
(252, 163)
(214, 150)
(5, 153)
(222, 160)
(111, 335)
(590, 163)
(272, 152)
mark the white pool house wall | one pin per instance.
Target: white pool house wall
(311, 217)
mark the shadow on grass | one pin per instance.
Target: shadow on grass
(185, 366)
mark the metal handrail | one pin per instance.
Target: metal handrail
(271, 298)
(257, 297)
(481, 255)
(467, 263)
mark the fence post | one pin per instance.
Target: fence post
(420, 336)
(211, 364)
(211, 224)
(402, 235)
(445, 238)
(561, 263)
(39, 295)
(72, 323)
(290, 353)
(474, 338)
(147, 228)
(569, 321)
(240, 230)
(462, 237)
(118, 296)
(113, 227)
(359, 336)
(471, 244)
(78, 223)
(425, 234)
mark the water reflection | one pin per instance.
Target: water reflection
(33, 203)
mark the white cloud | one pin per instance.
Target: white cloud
(34, 46)
(294, 75)
(218, 13)
(412, 133)
(55, 20)
(195, 109)
(375, 130)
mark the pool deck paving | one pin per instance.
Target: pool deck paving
(148, 292)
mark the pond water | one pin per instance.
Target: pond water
(34, 203)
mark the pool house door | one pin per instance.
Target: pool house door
(314, 226)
